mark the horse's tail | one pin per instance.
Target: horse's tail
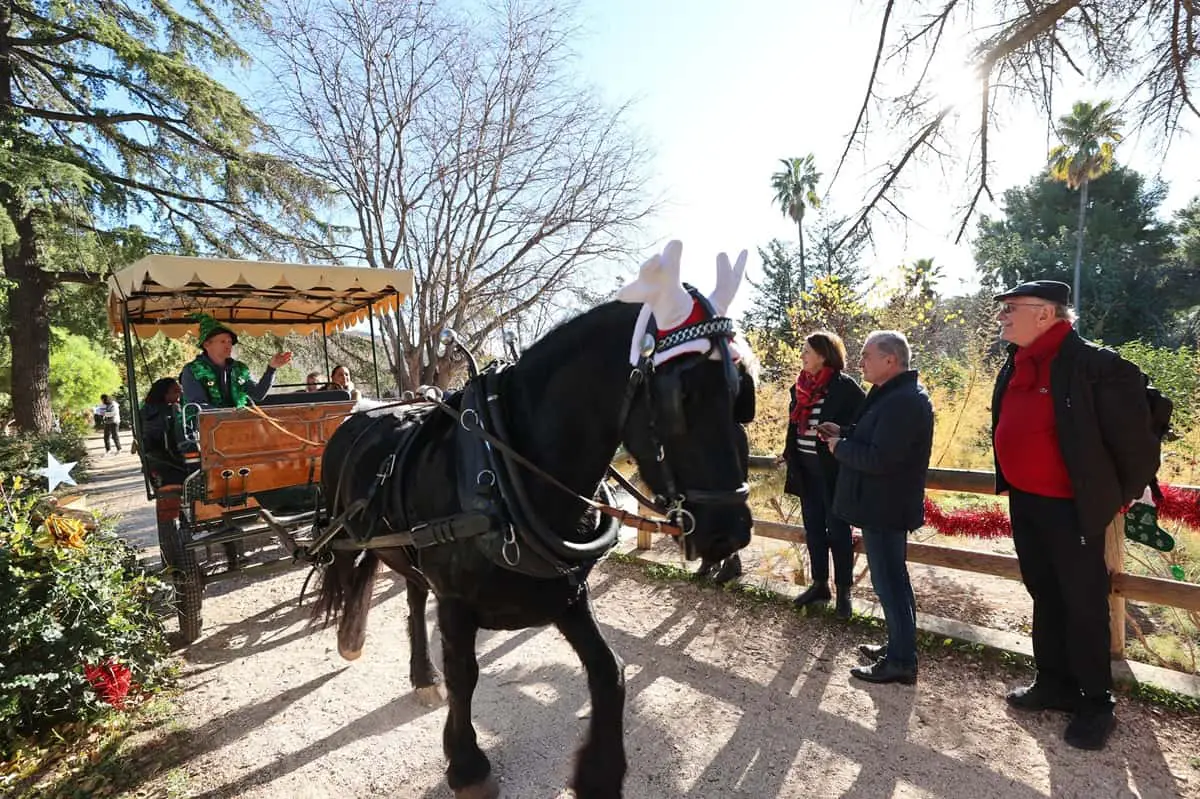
(345, 597)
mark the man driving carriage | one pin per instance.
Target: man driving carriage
(215, 379)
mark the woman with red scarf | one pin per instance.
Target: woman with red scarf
(822, 393)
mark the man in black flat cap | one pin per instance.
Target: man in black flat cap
(1074, 442)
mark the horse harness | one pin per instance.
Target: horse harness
(498, 514)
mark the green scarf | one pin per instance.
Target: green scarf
(239, 375)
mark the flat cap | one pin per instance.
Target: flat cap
(1049, 290)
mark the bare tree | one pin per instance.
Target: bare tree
(1017, 50)
(462, 148)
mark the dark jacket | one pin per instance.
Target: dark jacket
(160, 443)
(884, 456)
(843, 398)
(1103, 424)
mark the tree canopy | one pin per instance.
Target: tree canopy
(461, 146)
(117, 140)
(1132, 280)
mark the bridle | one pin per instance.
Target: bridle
(660, 388)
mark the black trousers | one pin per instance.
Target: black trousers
(824, 533)
(1063, 569)
(110, 429)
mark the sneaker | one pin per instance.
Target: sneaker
(1036, 698)
(885, 671)
(817, 593)
(1090, 728)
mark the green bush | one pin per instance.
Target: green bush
(76, 620)
(1176, 372)
(24, 452)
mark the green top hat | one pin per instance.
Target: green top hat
(210, 327)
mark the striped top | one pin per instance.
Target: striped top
(807, 441)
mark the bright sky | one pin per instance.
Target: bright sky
(724, 90)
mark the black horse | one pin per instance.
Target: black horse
(507, 543)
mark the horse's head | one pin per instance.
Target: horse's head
(686, 404)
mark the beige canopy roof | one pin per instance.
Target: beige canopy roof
(157, 294)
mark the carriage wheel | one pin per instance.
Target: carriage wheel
(183, 568)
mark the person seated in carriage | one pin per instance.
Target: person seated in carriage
(160, 445)
(339, 380)
(214, 379)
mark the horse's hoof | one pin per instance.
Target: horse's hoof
(350, 654)
(488, 789)
(431, 695)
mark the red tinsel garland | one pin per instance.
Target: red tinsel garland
(111, 680)
(991, 521)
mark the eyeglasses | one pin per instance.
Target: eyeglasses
(1006, 308)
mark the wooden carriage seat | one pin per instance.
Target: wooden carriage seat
(242, 453)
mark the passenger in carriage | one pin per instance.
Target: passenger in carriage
(315, 381)
(160, 433)
(339, 379)
(214, 379)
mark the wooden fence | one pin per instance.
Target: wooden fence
(1125, 586)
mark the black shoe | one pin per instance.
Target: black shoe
(1036, 698)
(817, 593)
(1090, 728)
(872, 652)
(842, 608)
(883, 671)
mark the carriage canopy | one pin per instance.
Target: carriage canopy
(159, 292)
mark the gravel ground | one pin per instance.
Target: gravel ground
(726, 698)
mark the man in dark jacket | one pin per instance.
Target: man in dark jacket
(883, 458)
(1073, 443)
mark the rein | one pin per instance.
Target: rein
(627, 518)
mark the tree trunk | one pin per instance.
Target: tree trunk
(1078, 287)
(803, 268)
(29, 326)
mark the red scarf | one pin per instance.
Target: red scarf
(809, 390)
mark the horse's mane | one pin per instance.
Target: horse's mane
(568, 339)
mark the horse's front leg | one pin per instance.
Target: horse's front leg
(469, 772)
(426, 681)
(600, 766)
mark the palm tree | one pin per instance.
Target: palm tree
(1088, 135)
(795, 189)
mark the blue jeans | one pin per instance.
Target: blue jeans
(886, 557)
(824, 533)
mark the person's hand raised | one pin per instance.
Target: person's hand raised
(280, 359)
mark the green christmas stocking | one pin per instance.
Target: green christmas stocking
(1141, 525)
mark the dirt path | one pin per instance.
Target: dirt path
(726, 698)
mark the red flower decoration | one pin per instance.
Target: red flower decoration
(112, 681)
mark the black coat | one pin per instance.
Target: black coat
(884, 457)
(1103, 424)
(843, 398)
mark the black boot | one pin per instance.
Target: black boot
(817, 593)
(843, 608)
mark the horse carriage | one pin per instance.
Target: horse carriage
(493, 498)
(239, 461)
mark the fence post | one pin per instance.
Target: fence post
(645, 539)
(1114, 558)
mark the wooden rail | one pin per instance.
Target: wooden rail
(1125, 586)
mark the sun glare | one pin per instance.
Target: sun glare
(957, 87)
